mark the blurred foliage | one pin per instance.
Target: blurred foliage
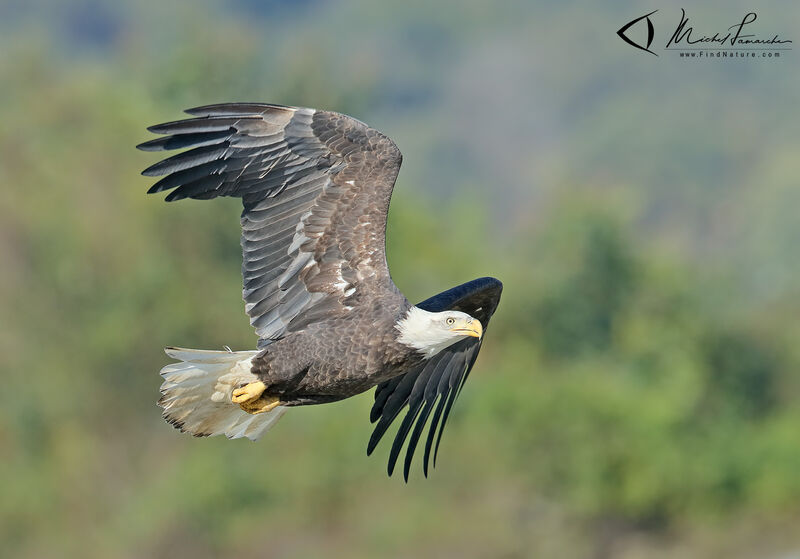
(639, 378)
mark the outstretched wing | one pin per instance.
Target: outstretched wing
(315, 186)
(433, 386)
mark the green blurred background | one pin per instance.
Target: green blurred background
(637, 395)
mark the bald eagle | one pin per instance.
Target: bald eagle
(315, 186)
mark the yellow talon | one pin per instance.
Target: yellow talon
(261, 405)
(251, 398)
(252, 391)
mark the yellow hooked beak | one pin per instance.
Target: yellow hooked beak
(472, 328)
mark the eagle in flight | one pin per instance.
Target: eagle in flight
(315, 186)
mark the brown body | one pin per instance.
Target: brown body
(313, 366)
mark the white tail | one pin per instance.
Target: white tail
(196, 394)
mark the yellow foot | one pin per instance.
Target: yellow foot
(261, 405)
(252, 391)
(251, 398)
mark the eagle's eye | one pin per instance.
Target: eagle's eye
(450, 321)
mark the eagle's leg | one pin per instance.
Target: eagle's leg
(251, 398)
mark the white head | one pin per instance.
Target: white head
(431, 332)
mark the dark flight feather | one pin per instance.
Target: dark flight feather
(182, 141)
(435, 382)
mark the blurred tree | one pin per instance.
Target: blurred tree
(579, 314)
(741, 377)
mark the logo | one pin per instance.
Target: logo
(650, 32)
(739, 40)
